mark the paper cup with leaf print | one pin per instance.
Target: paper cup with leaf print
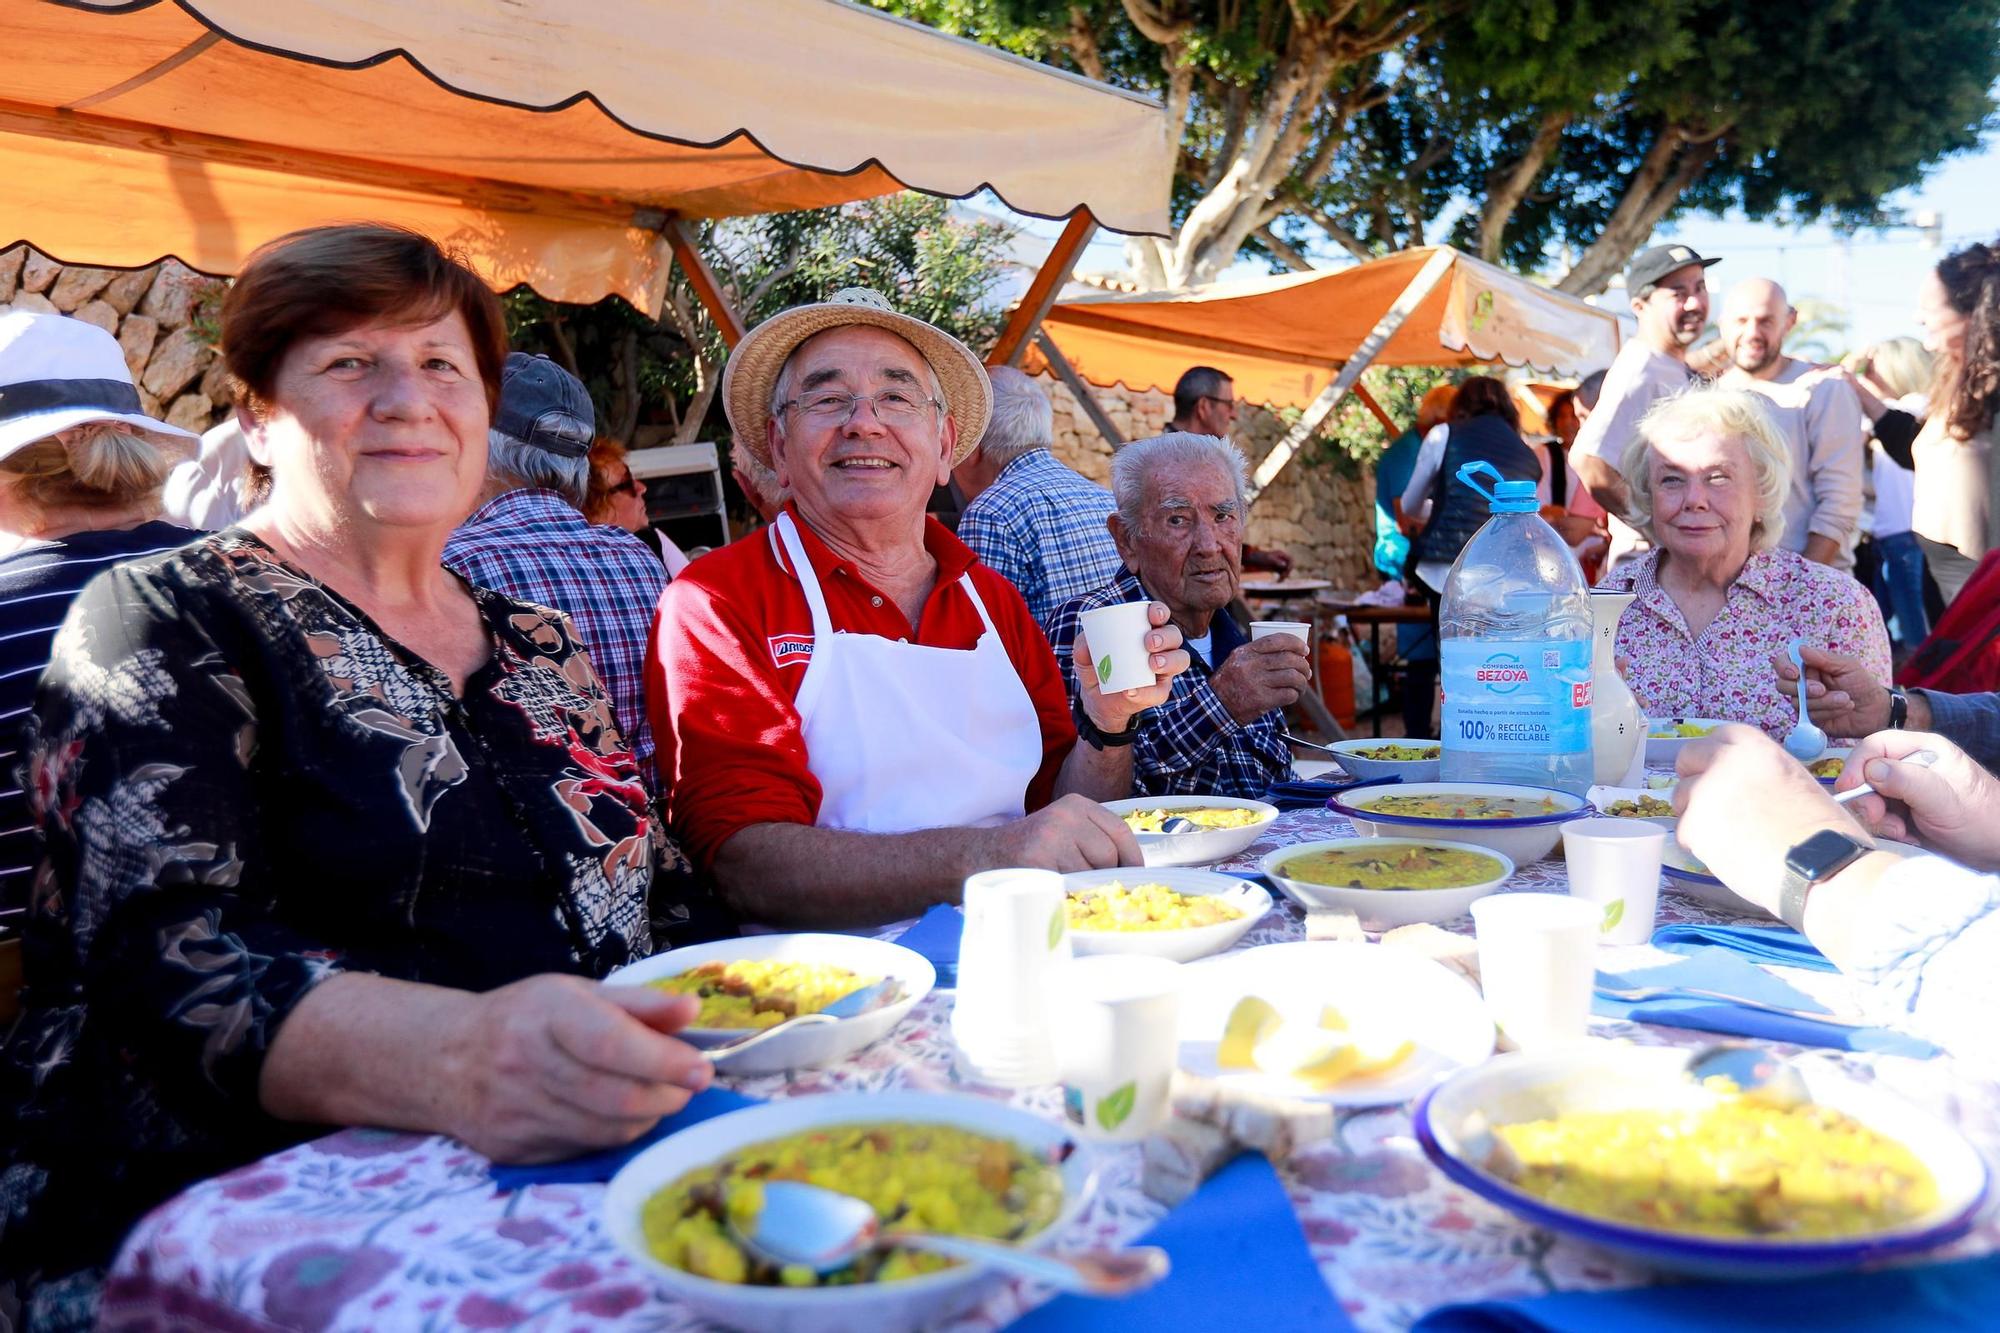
(1115, 639)
(1016, 939)
(1615, 863)
(1117, 1042)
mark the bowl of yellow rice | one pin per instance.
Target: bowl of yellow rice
(1224, 826)
(1174, 913)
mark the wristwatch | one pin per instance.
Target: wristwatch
(1899, 708)
(1098, 739)
(1813, 862)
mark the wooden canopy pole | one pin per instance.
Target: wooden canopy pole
(1368, 401)
(1420, 286)
(700, 277)
(1081, 391)
(1042, 292)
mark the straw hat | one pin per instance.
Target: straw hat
(57, 372)
(754, 365)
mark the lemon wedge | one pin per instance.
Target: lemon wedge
(1250, 1022)
(1307, 1054)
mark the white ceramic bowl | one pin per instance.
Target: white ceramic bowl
(809, 1044)
(1604, 798)
(1381, 909)
(1409, 770)
(1693, 879)
(1522, 841)
(1372, 984)
(1200, 848)
(1454, 1123)
(1251, 901)
(1663, 750)
(874, 1307)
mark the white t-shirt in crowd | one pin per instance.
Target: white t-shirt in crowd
(1895, 485)
(1638, 378)
(1820, 418)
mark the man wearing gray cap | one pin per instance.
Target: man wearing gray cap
(1669, 294)
(528, 538)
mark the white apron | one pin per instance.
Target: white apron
(902, 736)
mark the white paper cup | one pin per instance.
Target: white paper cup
(1117, 1043)
(1615, 864)
(1537, 959)
(1016, 938)
(1115, 637)
(1298, 629)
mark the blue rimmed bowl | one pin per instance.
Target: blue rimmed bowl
(1522, 839)
(1454, 1122)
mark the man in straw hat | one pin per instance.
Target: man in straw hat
(852, 713)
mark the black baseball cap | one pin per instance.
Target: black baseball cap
(544, 406)
(1649, 266)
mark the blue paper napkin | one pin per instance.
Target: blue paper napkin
(598, 1167)
(1240, 1262)
(936, 937)
(1303, 794)
(1715, 969)
(1780, 945)
(1936, 1298)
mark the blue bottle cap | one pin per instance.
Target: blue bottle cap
(1506, 497)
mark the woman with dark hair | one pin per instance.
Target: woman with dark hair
(1956, 508)
(332, 837)
(1484, 426)
(617, 498)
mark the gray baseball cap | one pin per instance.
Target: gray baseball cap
(544, 406)
(1649, 266)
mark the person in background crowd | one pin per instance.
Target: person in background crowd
(617, 499)
(1921, 932)
(1032, 520)
(81, 467)
(1669, 294)
(1179, 529)
(1205, 404)
(529, 539)
(332, 838)
(759, 485)
(1717, 595)
(209, 492)
(1846, 698)
(1416, 645)
(1954, 512)
(1891, 380)
(1485, 426)
(1817, 417)
(854, 712)
(1575, 514)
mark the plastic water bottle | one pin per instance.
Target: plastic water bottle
(1515, 650)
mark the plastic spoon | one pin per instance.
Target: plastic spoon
(1922, 759)
(1805, 742)
(823, 1230)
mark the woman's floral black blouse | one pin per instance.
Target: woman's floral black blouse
(245, 788)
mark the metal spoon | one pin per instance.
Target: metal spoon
(882, 992)
(824, 1230)
(1922, 759)
(1804, 742)
(1758, 1073)
(1311, 745)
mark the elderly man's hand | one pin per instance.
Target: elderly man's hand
(1262, 675)
(1952, 807)
(1114, 712)
(1842, 695)
(552, 1064)
(1070, 833)
(1743, 803)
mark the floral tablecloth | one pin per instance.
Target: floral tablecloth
(366, 1229)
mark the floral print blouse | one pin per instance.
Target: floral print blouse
(1726, 672)
(245, 787)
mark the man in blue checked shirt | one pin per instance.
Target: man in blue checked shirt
(1179, 532)
(1029, 518)
(528, 538)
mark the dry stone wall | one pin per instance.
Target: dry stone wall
(1324, 520)
(156, 314)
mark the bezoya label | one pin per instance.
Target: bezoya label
(1516, 697)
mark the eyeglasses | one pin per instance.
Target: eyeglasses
(837, 409)
(1229, 403)
(630, 486)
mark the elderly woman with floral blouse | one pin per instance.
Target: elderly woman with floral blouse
(332, 837)
(1716, 597)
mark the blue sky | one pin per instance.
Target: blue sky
(1873, 279)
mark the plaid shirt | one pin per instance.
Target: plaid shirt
(1190, 745)
(1041, 526)
(533, 545)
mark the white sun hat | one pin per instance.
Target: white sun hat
(57, 372)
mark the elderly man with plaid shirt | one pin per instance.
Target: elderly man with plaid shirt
(1032, 520)
(528, 537)
(1179, 531)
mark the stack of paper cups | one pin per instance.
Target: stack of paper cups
(1016, 938)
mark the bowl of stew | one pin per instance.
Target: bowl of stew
(1388, 882)
(1521, 823)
